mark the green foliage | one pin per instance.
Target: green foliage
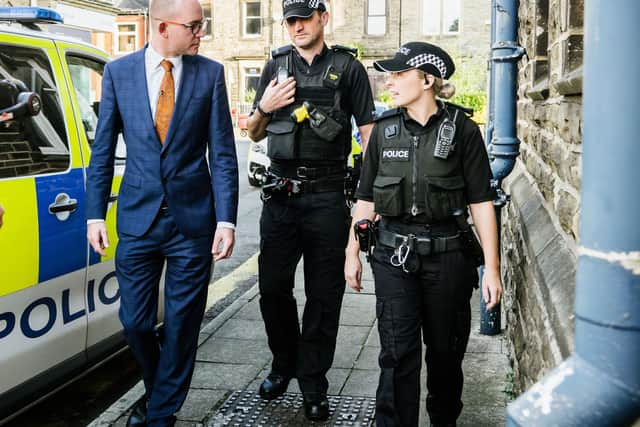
(475, 100)
(509, 387)
(358, 46)
(249, 95)
(470, 81)
(385, 97)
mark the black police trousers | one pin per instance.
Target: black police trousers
(433, 302)
(314, 226)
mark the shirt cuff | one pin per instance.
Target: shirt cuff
(94, 221)
(224, 224)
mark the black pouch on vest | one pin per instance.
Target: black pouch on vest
(325, 126)
(444, 195)
(387, 195)
(282, 139)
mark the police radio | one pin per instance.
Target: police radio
(444, 143)
(282, 75)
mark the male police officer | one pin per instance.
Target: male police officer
(304, 212)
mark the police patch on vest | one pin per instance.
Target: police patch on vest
(395, 155)
(390, 131)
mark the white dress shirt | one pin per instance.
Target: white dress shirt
(154, 74)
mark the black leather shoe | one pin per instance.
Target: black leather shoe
(273, 386)
(138, 417)
(316, 409)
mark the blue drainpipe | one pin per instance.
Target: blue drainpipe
(503, 145)
(599, 385)
(492, 84)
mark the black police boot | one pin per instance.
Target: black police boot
(138, 416)
(316, 406)
(273, 386)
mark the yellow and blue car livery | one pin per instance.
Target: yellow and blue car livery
(58, 298)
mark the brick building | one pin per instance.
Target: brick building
(540, 225)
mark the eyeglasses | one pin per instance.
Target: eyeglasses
(194, 27)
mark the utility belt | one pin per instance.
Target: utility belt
(406, 247)
(273, 183)
(304, 172)
(413, 242)
(421, 245)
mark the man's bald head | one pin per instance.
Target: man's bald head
(164, 9)
(173, 23)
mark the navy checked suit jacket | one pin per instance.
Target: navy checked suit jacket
(198, 192)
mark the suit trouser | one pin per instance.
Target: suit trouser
(167, 361)
(433, 302)
(313, 225)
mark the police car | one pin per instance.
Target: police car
(59, 300)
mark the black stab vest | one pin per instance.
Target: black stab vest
(411, 181)
(290, 141)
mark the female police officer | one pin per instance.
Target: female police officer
(425, 163)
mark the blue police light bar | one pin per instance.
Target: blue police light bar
(30, 15)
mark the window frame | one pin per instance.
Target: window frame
(209, 18)
(126, 33)
(245, 19)
(369, 15)
(441, 8)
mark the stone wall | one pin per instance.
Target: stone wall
(540, 225)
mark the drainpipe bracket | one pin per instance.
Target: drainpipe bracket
(504, 147)
(507, 51)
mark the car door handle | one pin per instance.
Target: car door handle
(68, 205)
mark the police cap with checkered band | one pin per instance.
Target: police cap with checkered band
(419, 55)
(301, 8)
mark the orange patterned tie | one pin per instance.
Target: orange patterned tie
(166, 101)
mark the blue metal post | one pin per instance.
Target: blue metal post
(492, 80)
(599, 385)
(503, 147)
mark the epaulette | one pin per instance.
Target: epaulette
(468, 111)
(388, 113)
(352, 50)
(282, 50)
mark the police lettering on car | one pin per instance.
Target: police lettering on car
(426, 164)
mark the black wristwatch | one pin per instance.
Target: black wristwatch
(264, 113)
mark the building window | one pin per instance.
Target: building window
(206, 11)
(252, 25)
(376, 17)
(251, 79)
(541, 59)
(441, 17)
(127, 37)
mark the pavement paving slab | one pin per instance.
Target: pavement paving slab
(233, 358)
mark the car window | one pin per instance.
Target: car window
(86, 75)
(32, 145)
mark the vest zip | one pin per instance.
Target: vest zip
(414, 176)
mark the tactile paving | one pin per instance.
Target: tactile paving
(246, 409)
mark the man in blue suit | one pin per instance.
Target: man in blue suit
(171, 106)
